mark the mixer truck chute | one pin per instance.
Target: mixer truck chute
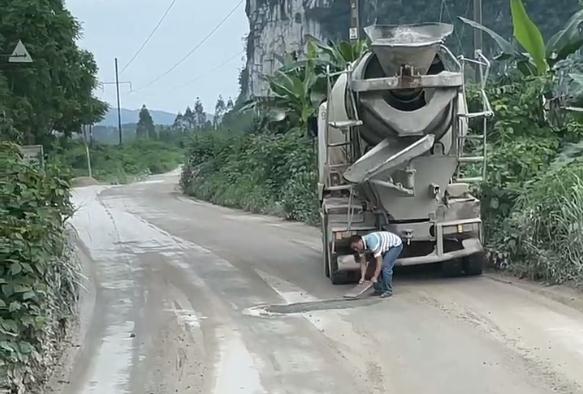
(391, 139)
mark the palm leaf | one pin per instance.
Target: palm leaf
(529, 35)
(508, 49)
(568, 40)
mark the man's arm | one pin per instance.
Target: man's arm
(363, 268)
(378, 267)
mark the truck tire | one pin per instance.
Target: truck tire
(452, 268)
(325, 246)
(474, 264)
(326, 264)
(337, 277)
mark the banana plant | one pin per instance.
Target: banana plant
(295, 96)
(338, 55)
(529, 51)
(299, 86)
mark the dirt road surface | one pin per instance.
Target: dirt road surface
(178, 289)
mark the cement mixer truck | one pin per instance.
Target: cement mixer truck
(393, 137)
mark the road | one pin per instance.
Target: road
(181, 289)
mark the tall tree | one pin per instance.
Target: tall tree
(55, 92)
(189, 118)
(199, 114)
(230, 105)
(220, 110)
(178, 122)
(146, 128)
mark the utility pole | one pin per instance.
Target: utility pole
(87, 128)
(354, 32)
(118, 103)
(478, 35)
(117, 82)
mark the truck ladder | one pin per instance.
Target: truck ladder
(484, 67)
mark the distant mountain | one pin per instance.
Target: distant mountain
(132, 116)
(129, 116)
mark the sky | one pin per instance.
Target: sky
(117, 28)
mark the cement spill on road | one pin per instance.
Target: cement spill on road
(298, 301)
(311, 306)
(236, 371)
(110, 374)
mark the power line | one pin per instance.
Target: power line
(205, 73)
(200, 44)
(216, 68)
(150, 36)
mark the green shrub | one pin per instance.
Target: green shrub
(264, 173)
(545, 232)
(511, 165)
(38, 281)
(532, 200)
(521, 147)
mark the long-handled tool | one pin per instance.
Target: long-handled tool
(359, 290)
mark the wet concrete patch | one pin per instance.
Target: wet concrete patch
(310, 306)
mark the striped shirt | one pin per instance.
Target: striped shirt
(380, 242)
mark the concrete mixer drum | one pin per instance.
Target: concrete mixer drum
(392, 140)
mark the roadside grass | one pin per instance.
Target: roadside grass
(118, 164)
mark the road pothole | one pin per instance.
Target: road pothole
(310, 306)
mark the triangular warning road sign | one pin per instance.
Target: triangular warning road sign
(20, 54)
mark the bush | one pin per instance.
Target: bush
(532, 199)
(545, 232)
(273, 174)
(521, 147)
(38, 281)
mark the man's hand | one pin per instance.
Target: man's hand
(377, 273)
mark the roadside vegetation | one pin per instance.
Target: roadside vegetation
(532, 198)
(260, 172)
(48, 102)
(38, 270)
(114, 164)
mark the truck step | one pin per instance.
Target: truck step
(471, 159)
(346, 124)
(339, 188)
(477, 179)
(339, 144)
(471, 137)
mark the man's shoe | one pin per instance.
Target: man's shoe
(386, 294)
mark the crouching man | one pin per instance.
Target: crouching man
(386, 248)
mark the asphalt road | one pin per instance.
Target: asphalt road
(178, 289)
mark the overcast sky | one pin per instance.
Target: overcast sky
(118, 28)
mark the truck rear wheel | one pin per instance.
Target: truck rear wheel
(452, 268)
(337, 277)
(325, 246)
(474, 264)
